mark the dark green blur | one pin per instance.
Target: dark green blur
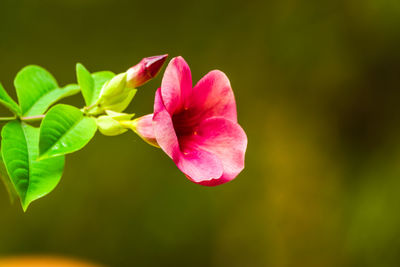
(317, 85)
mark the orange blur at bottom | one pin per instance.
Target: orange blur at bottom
(42, 261)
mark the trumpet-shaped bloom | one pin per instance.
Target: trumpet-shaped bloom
(196, 126)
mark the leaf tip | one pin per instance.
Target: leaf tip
(80, 67)
(25, 205)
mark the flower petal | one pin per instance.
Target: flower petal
(176, 85)
(164, 128)
(199, 165)
(213, 96)
(143, 126)
(224, 139)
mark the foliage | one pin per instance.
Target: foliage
(32, 158)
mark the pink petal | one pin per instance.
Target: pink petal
(199, 165)
(164, 128)
(224, 139)
(144, 128)
(213, 96)
(196, 164)
(176, 85)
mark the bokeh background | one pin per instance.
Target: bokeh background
(317, 85)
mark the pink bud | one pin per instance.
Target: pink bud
(145, 70)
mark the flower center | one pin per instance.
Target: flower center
(185, 122)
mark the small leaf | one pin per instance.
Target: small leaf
(86, 82)
(65, 130)
(32, 179)
(7, 181)
(31, 83)
(8, 102)
(37, 90)
(91, 84)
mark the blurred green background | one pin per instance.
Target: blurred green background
(317, 85)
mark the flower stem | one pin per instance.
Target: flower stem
(33, 118)
(7, 118)
(28, 118)
(88, 108)
(128, 125)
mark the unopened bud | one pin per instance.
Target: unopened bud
(109, 125)
(145, 70)
(119, 116)
(114, 87)
(114, 96)
(118, 103)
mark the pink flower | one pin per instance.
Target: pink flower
(196, 127)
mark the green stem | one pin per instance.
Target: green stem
(128, 125)
(33, 118)
(28, 118)
(88, 108)
(7, 118)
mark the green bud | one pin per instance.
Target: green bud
(110, 124)
(119, 116)
(114, 87)
(114, 96)
(119, 102)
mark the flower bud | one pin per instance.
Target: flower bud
(145, 70)
(113, 87)
(120, 102)
(110, 124)
(119, 116)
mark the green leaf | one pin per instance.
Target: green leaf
(65, 130)
(8, 102)
(37, 90)
(7, 181)
(91, 84)
(51, 97)
(86, 82)
(32, 178)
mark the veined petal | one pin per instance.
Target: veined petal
(224, 139)
(213, 96)
(164, 128)
(176, 85)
